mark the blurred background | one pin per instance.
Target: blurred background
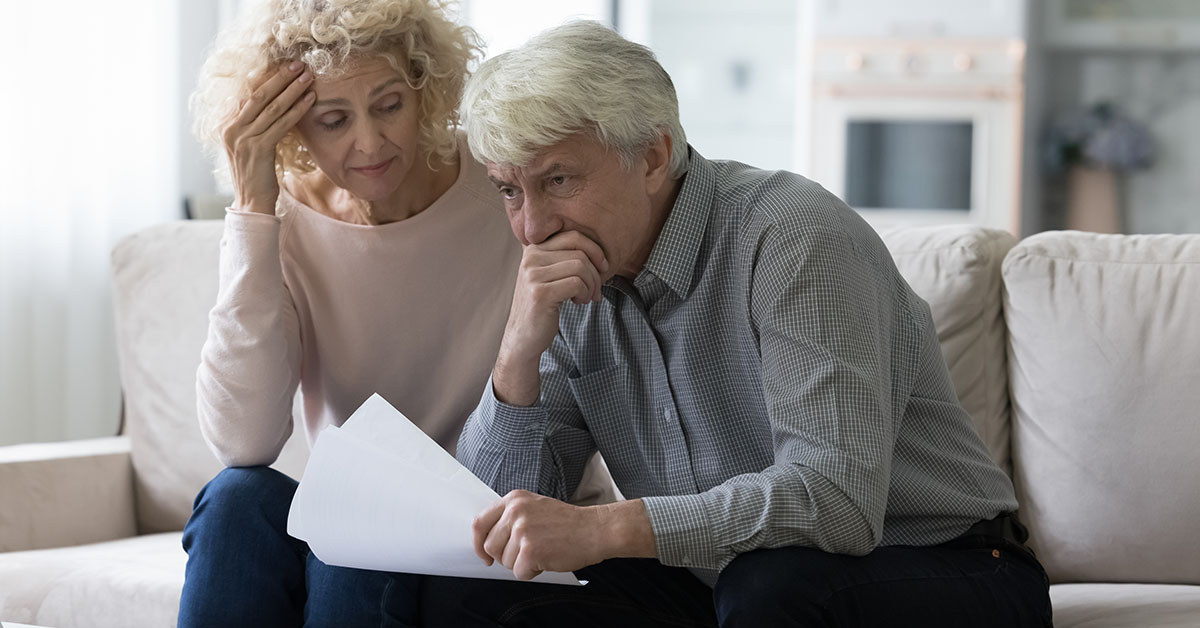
(1023, 115)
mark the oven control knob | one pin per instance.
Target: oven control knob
(963, 62)
(855, 61)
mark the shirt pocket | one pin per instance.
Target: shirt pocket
(610, 405)
(602, 395)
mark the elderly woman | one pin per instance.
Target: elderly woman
(365, 252)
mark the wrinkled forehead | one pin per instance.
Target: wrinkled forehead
(352, 67)
(501, 172)
(577, 152)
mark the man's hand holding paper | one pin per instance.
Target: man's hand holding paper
(530, 534)
(379, 494)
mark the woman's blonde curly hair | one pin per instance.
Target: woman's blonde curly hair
(414, 36)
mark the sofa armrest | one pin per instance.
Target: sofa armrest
(66, 493)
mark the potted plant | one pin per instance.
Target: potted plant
(1093, 145)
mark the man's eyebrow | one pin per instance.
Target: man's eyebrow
(342, 102)
(550, 170)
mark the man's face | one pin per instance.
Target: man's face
(578, 185)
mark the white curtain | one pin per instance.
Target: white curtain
(90, 120)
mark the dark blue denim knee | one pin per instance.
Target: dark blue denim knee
(243, 569)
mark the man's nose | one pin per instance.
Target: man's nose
(540, 222)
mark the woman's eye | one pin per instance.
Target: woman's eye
(333, 125)
(391, 105)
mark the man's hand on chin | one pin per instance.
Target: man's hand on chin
(566, 267)
(530, 533)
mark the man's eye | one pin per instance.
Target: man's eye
(559, 180)
(508, 193)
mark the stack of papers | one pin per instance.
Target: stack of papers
(379, 494)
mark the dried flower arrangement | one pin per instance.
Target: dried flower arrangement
(1099, 135)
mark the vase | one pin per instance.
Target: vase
(1093, 200)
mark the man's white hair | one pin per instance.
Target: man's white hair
(578, 77)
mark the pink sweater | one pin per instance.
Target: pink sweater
(413, 310)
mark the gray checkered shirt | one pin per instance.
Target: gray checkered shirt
(767, 380)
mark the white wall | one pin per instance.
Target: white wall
(735, 71)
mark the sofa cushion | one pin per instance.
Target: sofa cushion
(130, 583)
(164, 284)
(1125, 605)
(1104, 368)
(957, 271)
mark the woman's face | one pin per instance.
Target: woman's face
(362, 130)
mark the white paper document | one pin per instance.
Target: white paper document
(378, 493)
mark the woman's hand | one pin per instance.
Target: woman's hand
(274, 107)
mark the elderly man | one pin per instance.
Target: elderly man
(767, 391)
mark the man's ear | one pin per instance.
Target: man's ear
(658, 163)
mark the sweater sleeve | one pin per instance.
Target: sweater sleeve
(250, 363)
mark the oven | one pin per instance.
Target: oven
(920, 132)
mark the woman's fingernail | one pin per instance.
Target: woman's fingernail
(296, 65)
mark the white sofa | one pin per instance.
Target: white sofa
(1077, 355)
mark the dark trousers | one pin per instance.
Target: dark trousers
(978, 586)
(244, 570)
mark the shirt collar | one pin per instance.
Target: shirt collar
(673, 258)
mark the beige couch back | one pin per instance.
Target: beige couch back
(1105, 385)
(957, 271)
(164, 284)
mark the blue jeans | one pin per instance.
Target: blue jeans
(244, 570)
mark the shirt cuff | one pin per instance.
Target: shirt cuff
(683, 532)
(509, 426)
